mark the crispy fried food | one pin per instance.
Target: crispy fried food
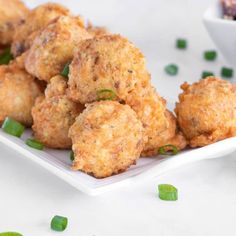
(107, 139)
(206, 111)
(53, 115)
(18, 91)
(35, 21)
(54, 47)
(96, 30)
(11, 13)
(112, 62)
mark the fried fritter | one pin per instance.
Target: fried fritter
(53, 115)
(35, 21)
(54, 47)
(206, 111)
(18, 91)
(107, 139)
(11, 13)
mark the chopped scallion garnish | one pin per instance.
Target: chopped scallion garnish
(172, 69)
(206, 74)
(227, 72)
(6, 57)
(10, 234)
(66, 70)
(106, 94)
(210, 55)
(13, 127)
(168, 192)
(181, 43)
(34, 144)
(59, 223)
(168, 149)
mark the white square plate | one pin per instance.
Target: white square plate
(58, 163)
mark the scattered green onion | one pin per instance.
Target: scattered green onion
(13, 127)
(34, 144)
(168, 149)
(59, 223)
(10, 234)
(106, 94)
(6, 57)
(206, 74)
(227, 72)
(181, 43)
(72, 156)
(168, 192)
(172, 69)
(66, 70)
(210, 55)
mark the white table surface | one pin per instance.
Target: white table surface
(30, 196)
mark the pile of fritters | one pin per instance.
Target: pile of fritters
(106, 109)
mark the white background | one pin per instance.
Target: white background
(30, 196)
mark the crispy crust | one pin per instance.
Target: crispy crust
(107, 139)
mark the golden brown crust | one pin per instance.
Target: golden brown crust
(96, 30)
(206, 111)
(54, 47)
(35, 21)
(107, 139)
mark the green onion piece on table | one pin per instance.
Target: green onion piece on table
(10, 234)
(13, 127)
(34, 144)
(172, 69)
(6, 57)
(168, 149)
(72, 156)
(181, 43)
(206, 74)
(66, 70)
(210, 55)
(106, 94)
(59, 223)
(168, 192)
(227, 72)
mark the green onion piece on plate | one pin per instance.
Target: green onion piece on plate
(210, 55)
(6, 57)
(206, 74)
(10, 234)
(59, 223)
(66, 70)
(34, 144)
(72, 156)
(181, 43)
(168, 149)
(168, 192)
(227, 72)
(106, 94)
(171, 69)
(13, 127)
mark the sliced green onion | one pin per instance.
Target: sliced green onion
(210, 55)
(168, 149)
(206, 74)
(10, 234)
(181, 43)
(59, 223)
(13, 127)
(168, 192)
(66, 70)
(72, 156)
(172, 69)
(106, 94)
(227, 72)
(6, 57)
(34, 144)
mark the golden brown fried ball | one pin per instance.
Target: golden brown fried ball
(107, 139)
(11, 13)
(18, 91)
(35, 21)
(206, 111)
(53, 115)
(54, 47)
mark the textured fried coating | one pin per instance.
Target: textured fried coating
(54, 47)
(18, 92)
(206, 111)
(53, 115)
(107, 139)
(11, 13)
(96, 30)
(35, 21)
